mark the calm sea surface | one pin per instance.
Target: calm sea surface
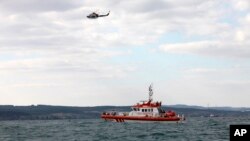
(195, 129)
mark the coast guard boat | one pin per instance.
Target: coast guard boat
(148, 111)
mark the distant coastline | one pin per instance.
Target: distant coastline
(49, 112)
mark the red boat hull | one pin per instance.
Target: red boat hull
(139, 118)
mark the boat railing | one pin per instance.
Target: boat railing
(114, 113)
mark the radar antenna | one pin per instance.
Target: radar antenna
(150, 92)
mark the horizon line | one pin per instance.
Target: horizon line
(122, 105)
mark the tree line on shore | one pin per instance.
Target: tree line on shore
(47, 112)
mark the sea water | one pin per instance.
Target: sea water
(195, 129)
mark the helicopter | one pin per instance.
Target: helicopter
(94, 15)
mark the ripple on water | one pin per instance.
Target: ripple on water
(205, 129)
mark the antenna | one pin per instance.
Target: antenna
(150, 92)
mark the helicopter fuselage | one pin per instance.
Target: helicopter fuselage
(94, 15)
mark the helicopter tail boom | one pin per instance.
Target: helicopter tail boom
(104, 15)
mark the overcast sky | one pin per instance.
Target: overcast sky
(195, 52)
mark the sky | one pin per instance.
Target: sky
(195, 52)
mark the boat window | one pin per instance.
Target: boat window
(146, 110)
(161, 111)
(151, 110)
(142, 110)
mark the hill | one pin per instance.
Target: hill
(47, 112)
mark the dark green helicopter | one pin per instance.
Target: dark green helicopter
(94, 15)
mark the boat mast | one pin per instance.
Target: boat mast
(150, 93)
